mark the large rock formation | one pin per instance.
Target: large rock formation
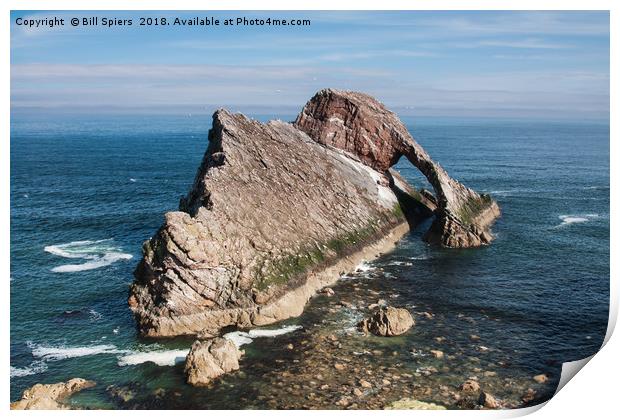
(50, 396)
(359, 124)
(276, 214)
(211, 359)
(272, 217)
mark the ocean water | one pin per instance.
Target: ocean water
(86, 191)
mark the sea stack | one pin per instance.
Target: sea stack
(279, 211)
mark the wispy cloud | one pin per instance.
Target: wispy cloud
(511, 61)
(528, 43)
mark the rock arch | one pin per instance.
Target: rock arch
(360, 125)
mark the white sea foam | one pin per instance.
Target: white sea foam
(48, 353)
(172, 357)
(363, 267)
(241, 338)
(97, 254)
(35, 367)
(569, 219)
(159, 357)
(94, 315)
(132, 180)
(400, 263)
(104, 261)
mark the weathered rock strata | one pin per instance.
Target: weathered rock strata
(362, 126)
(272, 217)
(211, 359)
(50, 396)
(278, 211)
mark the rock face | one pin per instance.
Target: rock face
(50, 397)
(388, 322)
(272, 217)
(278, 211)
(210, 359)
(362, 126)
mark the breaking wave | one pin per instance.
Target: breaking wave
(172, 357)
(363, 267)
(48, 353)
(569, 219)
(241, 338)
(35, 367)
(159, 357)
(96, 253)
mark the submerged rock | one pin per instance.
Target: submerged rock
(211, 359)
(279, 211)
(388, 322)
(50, 396)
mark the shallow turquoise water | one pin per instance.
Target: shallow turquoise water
(106, 181)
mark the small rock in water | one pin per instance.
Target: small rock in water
(388, 322)
(339, 366)
(357, 392)
(474, 337)
(210, 359)
(50, 396)
(290, 347)
(541, 379)
(487, 400)
(470, 385)
(438, 354)
(528, 396)
(328, 291)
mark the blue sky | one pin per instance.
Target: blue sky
(510, 64)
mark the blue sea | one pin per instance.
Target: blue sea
(88, 190)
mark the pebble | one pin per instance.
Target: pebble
(365, 384)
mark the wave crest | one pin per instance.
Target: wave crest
(97, 254)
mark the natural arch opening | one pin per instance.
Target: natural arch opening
(361, 125)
